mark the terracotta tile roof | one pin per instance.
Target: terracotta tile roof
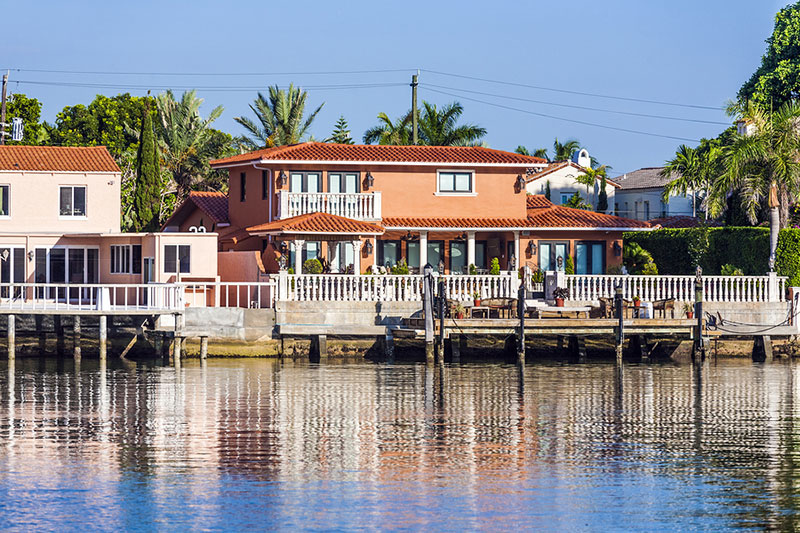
(316, 151)
(57, 159)
(318, 223)
(234, 235)
(453, 223)
(558, 165)
(542, 215)
(213, 204)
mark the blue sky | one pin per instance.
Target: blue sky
(685, 52)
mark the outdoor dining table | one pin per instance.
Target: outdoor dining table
(578, 309)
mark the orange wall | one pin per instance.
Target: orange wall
(254, 210)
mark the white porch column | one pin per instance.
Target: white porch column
(516, 249)
(333, 256)
(374, 254)
(470, 248)
(357, 257)
(423, 250)
(298, 256)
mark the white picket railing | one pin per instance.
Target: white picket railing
(357, 206)
(253, 295)
(680, 288)
(467, 287)
(157, 297)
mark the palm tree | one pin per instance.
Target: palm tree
(589, 177)
(541, 153)
(437, 127)
(764, 163)
(685, 171)
(280, 118)
(185, 138)
(388, 132)
(563, 152)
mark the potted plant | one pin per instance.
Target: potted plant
(689, 310)
(476, 299)
(559, 295)
(637, 301)
(458, 309)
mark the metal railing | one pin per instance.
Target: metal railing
(252, 295)
(90, 297)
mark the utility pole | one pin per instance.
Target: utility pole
(3, 111)
(414, 84)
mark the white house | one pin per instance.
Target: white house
(561, 177)
(638, 196)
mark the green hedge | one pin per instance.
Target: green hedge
(744, 247)
(787, 262)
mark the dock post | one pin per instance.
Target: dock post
(203, 347)
(76, 337)
(320, 342)
(440, 304)
(427, 309)
(699, 344)
(12, 337)
(577, 348)
(176, 342)
(620, 323)
(762, 349)
(38, 321)
(455, 348)
(103, 336)
(521, 314)
(388, 348)
(57, 326)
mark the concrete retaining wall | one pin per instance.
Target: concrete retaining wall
(231, 323)
(345, 313)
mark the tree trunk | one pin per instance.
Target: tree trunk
(774, 228)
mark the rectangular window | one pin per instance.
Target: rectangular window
(458, 256)
(126, 259)
(388, 253)
(242, 187)
(435, 249)
(136, 259)
(589, 258)
(305, 182)
(455, 182)
(646, 210)
(565, 196)
(480, 254)
(72, 201)
(264, 184)
(343, 181)
(553, 255)
(177, 258)
(413, 255)
(5, 200)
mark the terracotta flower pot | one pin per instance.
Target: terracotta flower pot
(637, 303)
(459, 315)
(690, 314)
(559, 302)
(476, 303)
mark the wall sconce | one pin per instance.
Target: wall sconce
(282, 179)
(531, 248)
(368, 247)
(283, 247)
(30, 255)
(369, 181)
(617, 249)
(519, 186)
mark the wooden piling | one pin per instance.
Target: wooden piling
(103, 336)
(76, 337)
(699, 342)
(427, 309)
(59, 329)
(321, 345)
(203, 347)
(577, 348)
(762, 349)
(12, 337)
(455, 348)
(521, 328)
(620, 324)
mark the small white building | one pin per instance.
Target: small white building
(638, 196)
(561, 177)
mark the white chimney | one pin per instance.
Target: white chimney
(581, 157)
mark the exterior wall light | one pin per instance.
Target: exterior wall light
(617, 249)
(519, 186)
(369, 181)
(283, 247)
(531, 248)
(282, 179)
(368, 247)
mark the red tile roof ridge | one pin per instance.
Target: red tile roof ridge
(318, 222)
(89, 159)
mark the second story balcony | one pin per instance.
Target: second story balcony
(357, 206)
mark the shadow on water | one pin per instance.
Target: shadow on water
(238, 443)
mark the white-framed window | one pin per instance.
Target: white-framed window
(126, 259)
(455, 182)
(177, 258)
(72, 201)
(5, 201)
(565, 196)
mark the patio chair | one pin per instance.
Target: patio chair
(664, 306)
(606, 307)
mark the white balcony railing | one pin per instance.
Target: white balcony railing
(357, 206)
(156, 297)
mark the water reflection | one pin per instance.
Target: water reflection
(256, 443)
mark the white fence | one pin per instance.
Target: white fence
(681, 288)
(90, 297)
(358, 206)
(253, 295)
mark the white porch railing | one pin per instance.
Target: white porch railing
(681, 288)
(380, 288)
(260, 295)
(90, 297)
(357, 206)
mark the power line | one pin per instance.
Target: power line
(120, 73)
(638, 132)
(202, 88)
(567, 91)
(630, 113)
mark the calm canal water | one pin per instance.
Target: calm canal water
(246, 443)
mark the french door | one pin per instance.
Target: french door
(71, 265)
(12, 269)
(553, 256)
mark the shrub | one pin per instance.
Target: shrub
(731, 270)
(400, 268)
(614, 269)
(649, 269)
(537, 276)
(569, 266)
(312, 266)
(494, 269)
(290, 270)
(787, 261)
(472, 270)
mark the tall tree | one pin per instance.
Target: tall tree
(439, 126)
(29, 110)
(589, 178)
(185, 138)
(777, 80)
(539, 152)
(602, 198)
(147, 191)
(341, 132)
(387, 132)
(762, 163)
(563, 152)
(280, 118)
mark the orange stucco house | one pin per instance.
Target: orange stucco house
(358, 207)
(60, 224)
